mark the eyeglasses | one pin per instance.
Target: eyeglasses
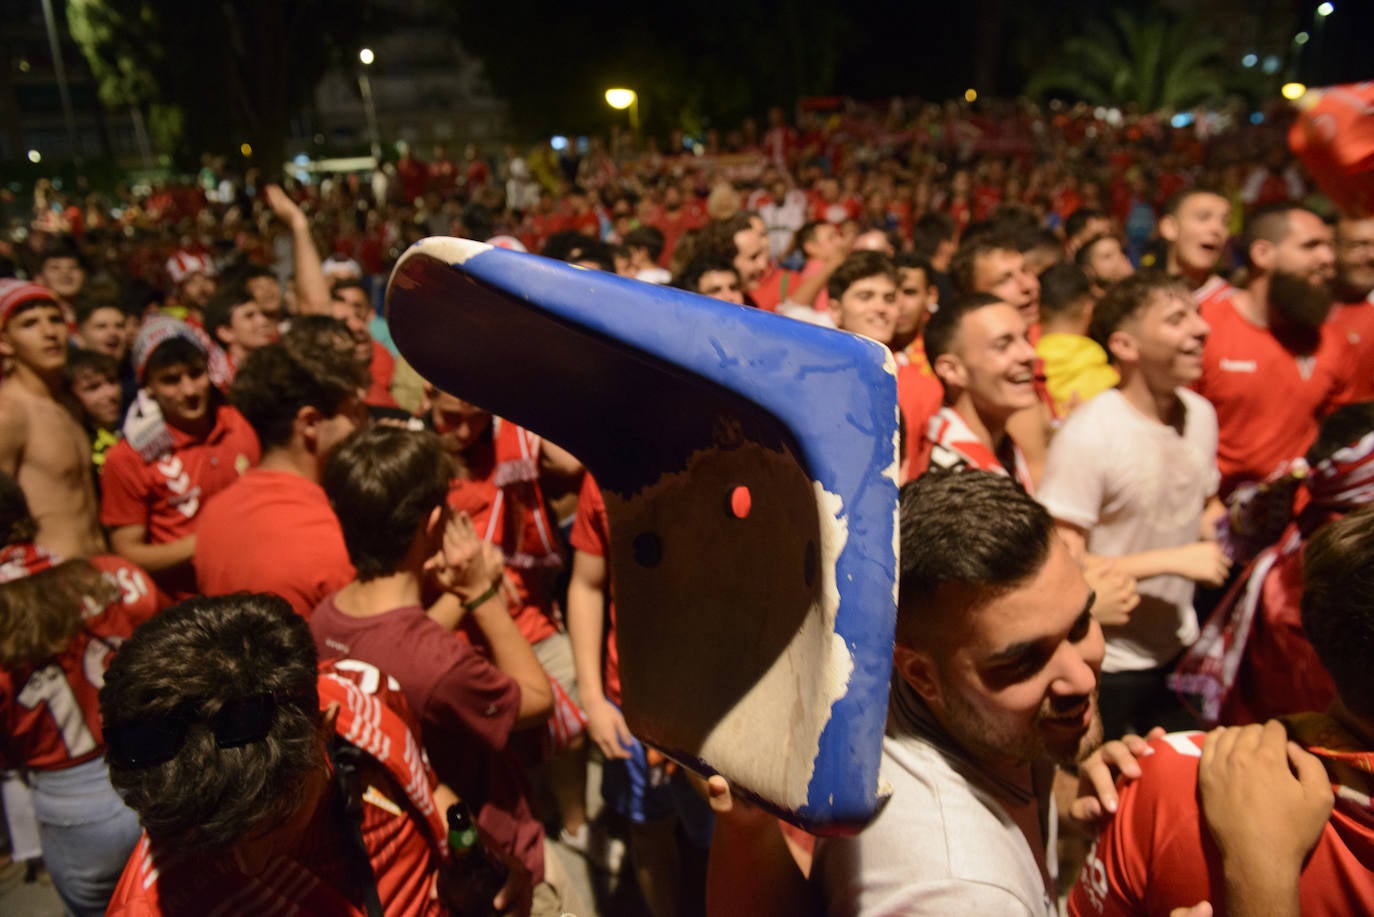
(156, 740)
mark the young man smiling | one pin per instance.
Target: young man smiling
(1129, 476)
(863, 296)
(182, 444)
(978, 347)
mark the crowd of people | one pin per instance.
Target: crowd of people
(276, 612)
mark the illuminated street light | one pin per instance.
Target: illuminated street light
(621, 99)
(35, 157)
(1301, 38)
(970, 95)
(1249, 60)
(1326, 9)
(374, 135)
(1293, 91)
(246, 150)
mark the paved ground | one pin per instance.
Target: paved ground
(26, 899)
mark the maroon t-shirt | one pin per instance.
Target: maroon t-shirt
(466, 708)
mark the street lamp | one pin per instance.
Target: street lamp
(366, 57)
(1326, 9)
(1293, 91)
(621, 99)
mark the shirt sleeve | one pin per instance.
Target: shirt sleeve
(1150, 857)
(1072, 488)
(589, 533)
(121, 495)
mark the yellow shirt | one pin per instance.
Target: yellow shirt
(1076, 369)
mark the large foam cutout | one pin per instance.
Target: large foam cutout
(749, 468)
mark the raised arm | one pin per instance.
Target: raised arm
(312, 291)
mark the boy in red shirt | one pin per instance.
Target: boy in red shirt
(351, 305)
(273, 530)
(499, 470)
(181, 446)
(1195, 225)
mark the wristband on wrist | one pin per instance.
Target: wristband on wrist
(483, 598)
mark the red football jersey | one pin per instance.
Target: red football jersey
(1269, 400)
(1153, 856)
(1356, 322)
(166, 496)
(51, 711)
(507, 509)
(400, 826)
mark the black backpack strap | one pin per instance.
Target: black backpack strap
(349, 813)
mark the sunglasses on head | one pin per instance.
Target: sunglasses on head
(157, 739)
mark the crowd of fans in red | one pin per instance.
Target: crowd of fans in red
(1161, 332)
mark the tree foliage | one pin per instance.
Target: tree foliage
(1151, 62)
(217, 74)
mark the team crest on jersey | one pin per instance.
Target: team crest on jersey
(184, 495)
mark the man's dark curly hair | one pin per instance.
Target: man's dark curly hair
(204, 653)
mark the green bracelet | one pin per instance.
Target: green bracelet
(484, 597)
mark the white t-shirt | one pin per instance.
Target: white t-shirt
(952, 840)
(1136, 485)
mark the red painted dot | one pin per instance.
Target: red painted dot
(741, 501)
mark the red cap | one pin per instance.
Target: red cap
(17, 293)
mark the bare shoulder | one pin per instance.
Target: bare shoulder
(14, 411)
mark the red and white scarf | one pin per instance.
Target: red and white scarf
(1207, 671)
(956, 447)
(25, 559)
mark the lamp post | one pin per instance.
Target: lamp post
(366, 57)
(621, 99)
(55, 47)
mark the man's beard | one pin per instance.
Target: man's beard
(972, 729)
(1299, 300)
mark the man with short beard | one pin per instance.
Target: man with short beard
(1272, 367)
(1354, 286)
(995, 681)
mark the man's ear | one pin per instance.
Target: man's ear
(950, 370)
(1123, 346)
(1168, 228)
(306, 426)
(917, 668)
(1262, 255)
